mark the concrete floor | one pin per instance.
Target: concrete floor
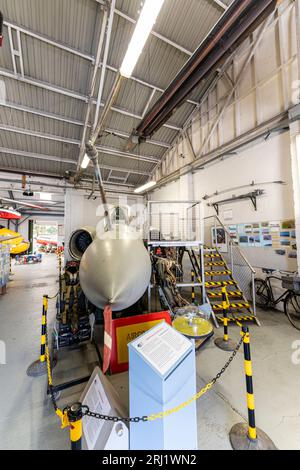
(27, 420)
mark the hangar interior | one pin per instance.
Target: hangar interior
(149, 184)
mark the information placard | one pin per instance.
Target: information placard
(127, 329)
(96, 399)
(162, 347)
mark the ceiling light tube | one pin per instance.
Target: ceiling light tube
(146, 186)
(85, 162)
(142, 30)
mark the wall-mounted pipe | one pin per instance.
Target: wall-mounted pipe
(237, 23)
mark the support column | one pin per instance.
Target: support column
(295, 162)
(30, 235)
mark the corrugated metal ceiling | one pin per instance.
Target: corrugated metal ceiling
(64, 79)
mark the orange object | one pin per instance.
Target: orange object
(127, 329)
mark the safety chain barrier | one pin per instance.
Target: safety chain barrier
(243, 436)
(85, 411)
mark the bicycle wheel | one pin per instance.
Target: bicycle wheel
(262, 293)
(292, 309)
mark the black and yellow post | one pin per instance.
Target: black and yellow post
(193, 287)
(59, 277)
(75, 422)
(44, 329)
(39, 367)
(225, 342)
(246, 436)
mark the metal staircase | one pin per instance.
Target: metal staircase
(240, 309)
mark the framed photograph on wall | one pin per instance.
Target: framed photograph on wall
(219, 239)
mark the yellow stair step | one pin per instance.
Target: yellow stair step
(220, 283)
(217, 273)
(240, 319)
(216, 263)
(230, 294)
(232, 305)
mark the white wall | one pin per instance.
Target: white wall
(264, 162)
(265, 88)
(170, 192)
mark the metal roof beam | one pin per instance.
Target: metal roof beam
(160, 36)
(38, 156)
(47, 40)
(108, 150)
(125, 135)
(44, 85)
(75, 122)
(38, 112)
(59, 178)
(48, 213)
(79, 53)
(56, 138)
(147, 84)
(71, 94)
(119, 153)
(221, 4)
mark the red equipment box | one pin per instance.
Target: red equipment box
(127, 329)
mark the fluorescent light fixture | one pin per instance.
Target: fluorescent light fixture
(142, 30)
(46, 196)
(85, 161)
(145, 186)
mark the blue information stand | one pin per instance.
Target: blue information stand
(162, 375)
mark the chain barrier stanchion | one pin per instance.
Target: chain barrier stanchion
(225, 343)
(243, 436)
(39, 367)
(74, 414)
(246, 436)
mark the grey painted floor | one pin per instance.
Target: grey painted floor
(27, 420)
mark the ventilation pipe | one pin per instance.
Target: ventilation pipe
(240, 19)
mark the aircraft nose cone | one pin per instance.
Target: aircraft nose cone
(115, 271)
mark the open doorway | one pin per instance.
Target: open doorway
(47, 236)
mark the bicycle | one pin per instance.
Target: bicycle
(265, 298)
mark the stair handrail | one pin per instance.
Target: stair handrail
(232, 242)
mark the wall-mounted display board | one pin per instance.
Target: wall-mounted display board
(278, 235)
